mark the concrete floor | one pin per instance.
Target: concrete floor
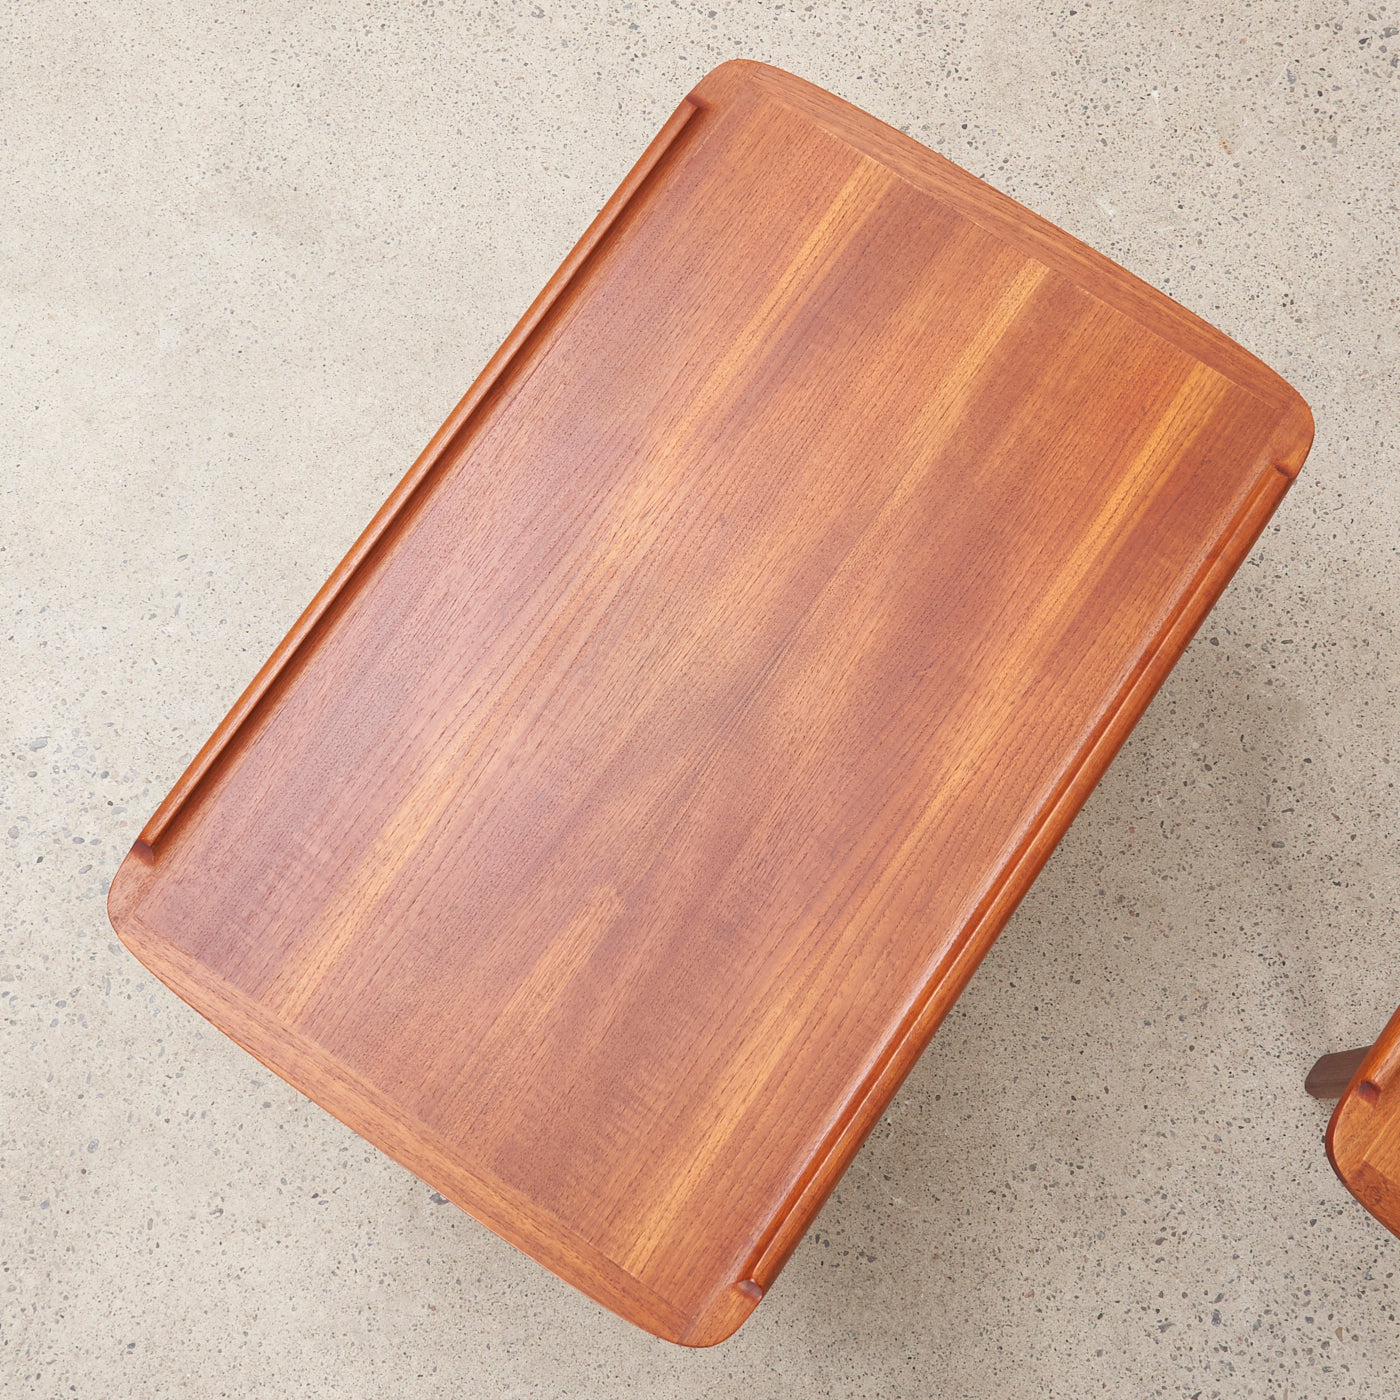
(252, 255)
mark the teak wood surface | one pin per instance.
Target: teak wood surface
(610, 835)
(1363, 1138)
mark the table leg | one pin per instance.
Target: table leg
(1332, 1073)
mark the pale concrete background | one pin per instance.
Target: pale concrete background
(252, 255)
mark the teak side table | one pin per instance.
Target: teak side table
(1363, 1136)
(613, 830)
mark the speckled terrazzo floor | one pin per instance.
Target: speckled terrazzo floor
(251, 257)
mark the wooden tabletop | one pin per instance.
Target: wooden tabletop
(612, 832)
(1363, 1137)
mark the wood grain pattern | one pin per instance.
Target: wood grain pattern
(1363, 1138)
(613, 831)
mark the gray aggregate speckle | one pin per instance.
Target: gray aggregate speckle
(252, 256)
